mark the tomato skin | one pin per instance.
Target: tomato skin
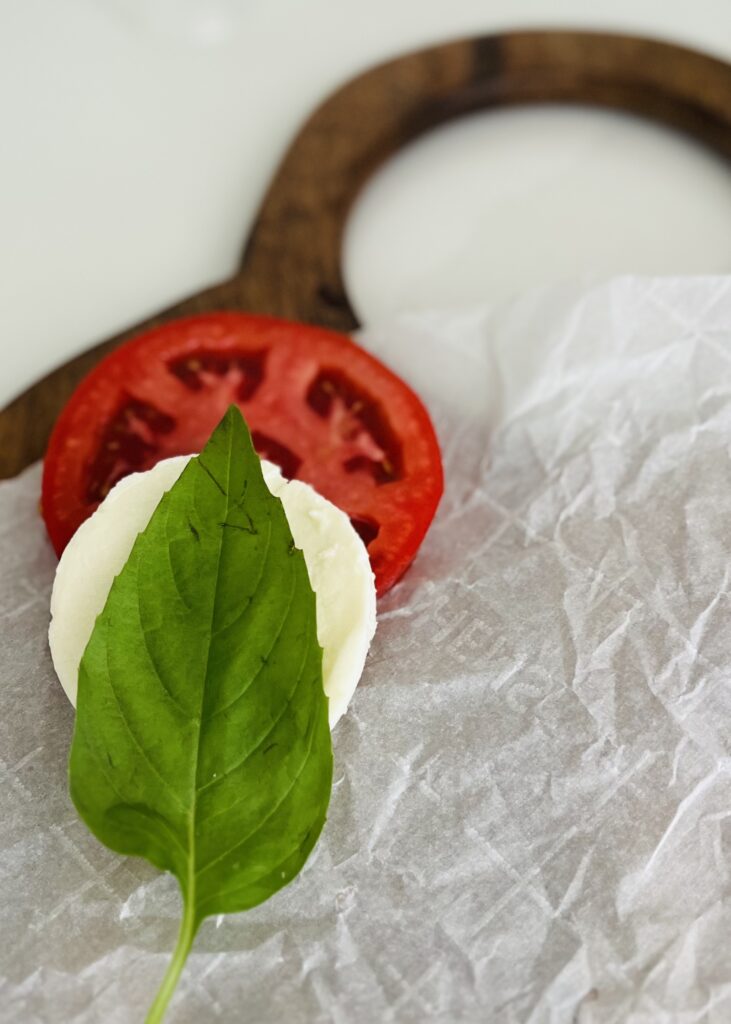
(318, 404)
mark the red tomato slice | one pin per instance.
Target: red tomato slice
(316, 403)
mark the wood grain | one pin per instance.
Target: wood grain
(291, 264)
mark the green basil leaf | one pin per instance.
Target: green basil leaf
(201, 738)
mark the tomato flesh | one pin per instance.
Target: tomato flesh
(317, 404)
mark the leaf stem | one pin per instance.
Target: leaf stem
(186, 935)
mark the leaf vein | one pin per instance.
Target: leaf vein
(159, 820)
(133, 737)
(153, 663)
(173, 575)
(252, 680)
(257, 746)
(221, 536)
(268, 817)
(228, 893)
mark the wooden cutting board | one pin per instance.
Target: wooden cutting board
(291, 262)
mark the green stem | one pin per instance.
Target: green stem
(188, 927)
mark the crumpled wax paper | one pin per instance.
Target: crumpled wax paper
(531, 815)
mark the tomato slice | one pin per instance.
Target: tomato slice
(316, 403)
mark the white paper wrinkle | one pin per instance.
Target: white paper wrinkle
(531, 814)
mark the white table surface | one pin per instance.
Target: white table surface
(138, 136)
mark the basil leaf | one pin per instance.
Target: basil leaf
(201, 738)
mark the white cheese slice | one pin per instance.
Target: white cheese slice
(336, 558)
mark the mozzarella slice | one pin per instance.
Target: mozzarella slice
(336, 558)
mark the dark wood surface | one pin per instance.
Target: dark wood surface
(291, 263)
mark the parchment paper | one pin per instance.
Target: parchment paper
(531, 816)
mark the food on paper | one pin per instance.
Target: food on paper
(318, 405)
(336, 558)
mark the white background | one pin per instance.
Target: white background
(138, 136)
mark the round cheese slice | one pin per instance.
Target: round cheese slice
(336, 558)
